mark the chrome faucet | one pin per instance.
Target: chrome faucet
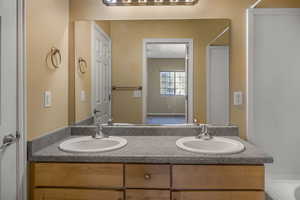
(204, 133)
(99, 134)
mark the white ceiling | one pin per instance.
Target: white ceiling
(165, 50)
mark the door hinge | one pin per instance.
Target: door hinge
(18, 135)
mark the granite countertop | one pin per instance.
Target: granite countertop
(151, 149)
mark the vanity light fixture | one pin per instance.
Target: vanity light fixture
(148, 2)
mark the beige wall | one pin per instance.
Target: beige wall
(127, 39)
(157, 103)
(47, 26)
(104, 25)
(231, 9)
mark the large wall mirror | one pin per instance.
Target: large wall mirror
(152, 71)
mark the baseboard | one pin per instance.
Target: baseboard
(166, 114)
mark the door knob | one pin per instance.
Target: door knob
(8, 140)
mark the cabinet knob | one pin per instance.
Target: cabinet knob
(147, 176)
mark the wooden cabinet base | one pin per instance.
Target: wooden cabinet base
(76, 194)
(100, 181)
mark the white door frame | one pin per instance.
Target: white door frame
(22, 102)
(190, 91)
(208, 86)
(98, 28)
(251, 12)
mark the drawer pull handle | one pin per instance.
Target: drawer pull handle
(147, 176)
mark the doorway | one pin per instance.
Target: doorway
(167, 81)
(101, 74)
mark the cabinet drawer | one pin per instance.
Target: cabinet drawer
(219, 195)
(78, 194)
(148, 195)
(77, 175)
(147, 176)
(218, 177)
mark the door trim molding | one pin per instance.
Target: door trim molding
(190, 91)
(21, 102)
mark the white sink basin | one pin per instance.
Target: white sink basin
(90, 144)
(216, 145)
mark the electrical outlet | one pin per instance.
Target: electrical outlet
(137, 93)
(47, 99)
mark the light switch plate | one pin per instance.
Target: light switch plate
(237, 98)
(47, 99)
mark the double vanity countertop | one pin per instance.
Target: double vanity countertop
(145, 145)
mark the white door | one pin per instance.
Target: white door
(101, 95)
(217, 84)
(8, 98)
(273, 87)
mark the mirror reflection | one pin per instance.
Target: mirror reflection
(151, 71)
(167, 81)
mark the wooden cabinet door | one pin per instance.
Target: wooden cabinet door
(219, 195)
(218, 177)
(76, 194)
(77, 175)
(148, 195)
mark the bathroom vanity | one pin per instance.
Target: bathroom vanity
(89, 181)
(149, 167)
